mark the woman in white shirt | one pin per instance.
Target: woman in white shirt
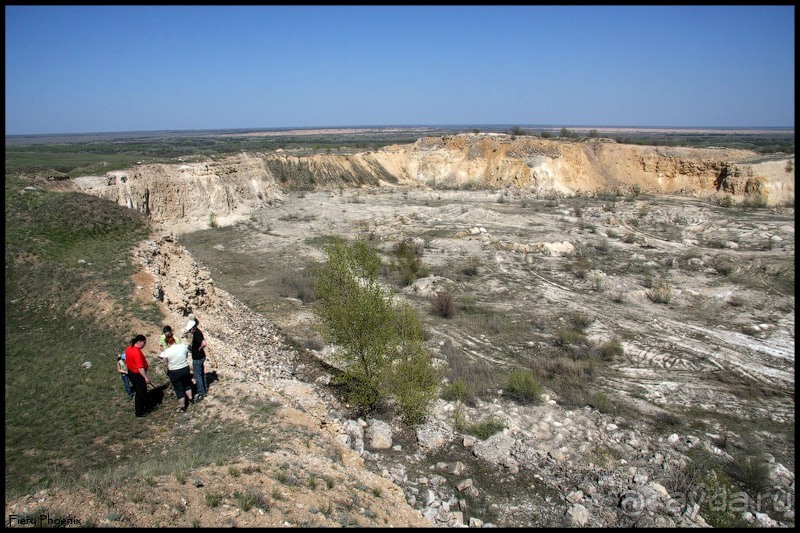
(177, 362)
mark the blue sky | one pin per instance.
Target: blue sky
(80, 69)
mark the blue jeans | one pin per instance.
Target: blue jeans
(127, 384)
(199, 375)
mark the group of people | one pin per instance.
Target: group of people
(133, 367)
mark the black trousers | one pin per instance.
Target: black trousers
(140, 389)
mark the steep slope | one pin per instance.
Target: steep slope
(224, 190)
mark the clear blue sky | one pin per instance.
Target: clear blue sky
(80, 69)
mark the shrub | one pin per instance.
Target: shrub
(408, 262)
(581, 320)
(213, 499)
(755, 201)
(523, 387)
(443, 305)
(611, 350)
(603, 403)
(568, 336)
(414, 380)
(661, 293)
(485, 428)
(751, 472)
(414, 386)
(472, 267)
(456, 391)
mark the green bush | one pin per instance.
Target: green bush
(408, 262)
(456, 391)
(523, 387)
(611, 350)
(414, 387)
(568, 336)
(485, 428)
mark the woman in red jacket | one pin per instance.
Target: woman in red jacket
(137, 373)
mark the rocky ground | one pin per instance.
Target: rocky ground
(720, 352)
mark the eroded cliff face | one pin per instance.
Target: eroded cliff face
(222, 191)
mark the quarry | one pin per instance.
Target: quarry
(650, 287)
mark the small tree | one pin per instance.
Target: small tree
(357, 311)
(382, 350)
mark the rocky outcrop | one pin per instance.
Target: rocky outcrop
(193, 195)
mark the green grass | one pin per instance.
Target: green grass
(61, 419)
(66, 424)
(67, 163)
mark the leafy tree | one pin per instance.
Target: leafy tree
(382, 352)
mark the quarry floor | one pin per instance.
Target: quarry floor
(699, 296)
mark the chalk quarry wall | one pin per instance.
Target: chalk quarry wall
(187, 196)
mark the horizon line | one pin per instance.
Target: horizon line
(407, 126)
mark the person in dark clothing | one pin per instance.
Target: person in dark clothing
(198, 349)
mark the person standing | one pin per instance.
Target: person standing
(122, 368)
(198, 347)
(176, 360)
(167, 338)
(137, 373)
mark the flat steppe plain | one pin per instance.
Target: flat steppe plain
(700, 297)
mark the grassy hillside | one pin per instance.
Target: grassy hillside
(63, 420)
